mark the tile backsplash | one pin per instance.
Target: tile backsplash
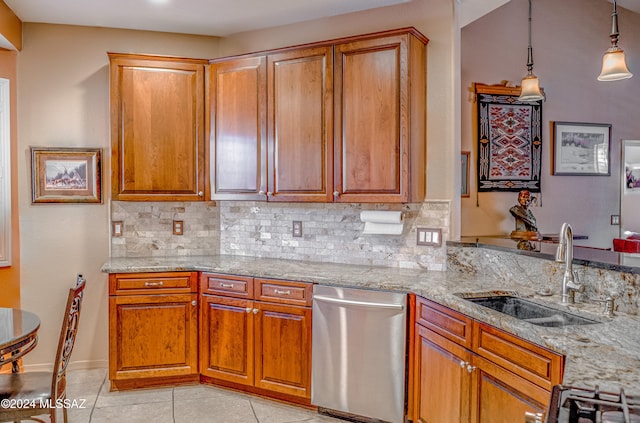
(330, 232)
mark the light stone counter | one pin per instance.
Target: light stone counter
(605, 354)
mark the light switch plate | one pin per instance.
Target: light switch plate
(431, 237)
(297, 228)
(178, 227)
(615, 219)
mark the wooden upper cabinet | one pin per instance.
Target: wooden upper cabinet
(341, 120)
(380, 118)
(157, 128)
(300, 121)
(238, 128)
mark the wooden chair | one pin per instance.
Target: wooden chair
(42, 390)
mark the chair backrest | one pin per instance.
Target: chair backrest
(67, 338)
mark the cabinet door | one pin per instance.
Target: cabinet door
(500, 396)
(283, 349)
(153, 336)
(239, 129)
(380, 143)
(442, 381)
(157, 115)
(300, 93)
(226, 339)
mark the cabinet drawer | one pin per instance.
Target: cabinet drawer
(227, 285)
(166, 283)
(533, 362)
(444, 321)
(288, 292)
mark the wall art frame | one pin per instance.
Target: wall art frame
(581, 149)
(66, 175)
(509, 140)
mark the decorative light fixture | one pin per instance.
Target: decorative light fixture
(530, 84)
(614, 66)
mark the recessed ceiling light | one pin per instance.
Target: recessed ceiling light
(159, 1)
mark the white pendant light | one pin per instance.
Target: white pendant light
(614, 66)
(530, 84)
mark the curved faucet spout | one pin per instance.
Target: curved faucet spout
(564, 254)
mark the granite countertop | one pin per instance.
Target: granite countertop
(606, 354)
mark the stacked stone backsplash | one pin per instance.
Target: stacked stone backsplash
(330, 232)
(540, 274)
(148, 229)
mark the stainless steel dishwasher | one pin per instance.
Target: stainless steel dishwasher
(359, 352)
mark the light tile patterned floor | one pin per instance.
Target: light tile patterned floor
(183, 404)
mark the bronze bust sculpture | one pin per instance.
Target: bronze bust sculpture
(526, 226)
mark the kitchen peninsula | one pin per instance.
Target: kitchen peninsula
(604, 354)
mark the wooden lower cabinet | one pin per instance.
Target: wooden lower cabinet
(442, 393)
(283, 349)
(258, 346)
(499, 396)
(454, 383)
(226, 339)
(153, 332)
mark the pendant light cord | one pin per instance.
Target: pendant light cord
(530, 48)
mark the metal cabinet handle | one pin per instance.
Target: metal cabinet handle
(463, 364)
(226, 285)
(194, 302)
(154, 283)
(470, 368)
(336, 193)
(255, 311)
(281, 292)
(530, 417)
(261, 192)
(269, 193)
(200, 194)
(248, 309)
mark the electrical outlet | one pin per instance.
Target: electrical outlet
(116, 228)
(429, 237)
(178, 227)
(297, 228)
(615, 219)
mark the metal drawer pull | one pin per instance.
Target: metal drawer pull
(255, 311)
(248, 309)
(154, 283)
(470, 368)
(280, 292)
(226, 285)
(530, 417)
(194, 302)
(463, 364)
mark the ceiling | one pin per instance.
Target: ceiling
(217, 17)
(201, 17)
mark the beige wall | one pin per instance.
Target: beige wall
(63, 101)
(569, 38)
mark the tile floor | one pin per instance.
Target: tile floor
(192, 404)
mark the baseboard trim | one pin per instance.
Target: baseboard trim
(74, 365)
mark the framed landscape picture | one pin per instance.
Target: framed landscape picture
(581, 149)
(65, 175)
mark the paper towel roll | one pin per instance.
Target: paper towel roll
(381, 216)
(382, 222)
(373, 228)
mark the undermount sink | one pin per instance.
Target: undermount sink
(528, 311)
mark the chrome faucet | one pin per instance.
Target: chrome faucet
(564, 254)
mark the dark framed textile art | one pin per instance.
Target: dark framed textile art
(509, 140)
